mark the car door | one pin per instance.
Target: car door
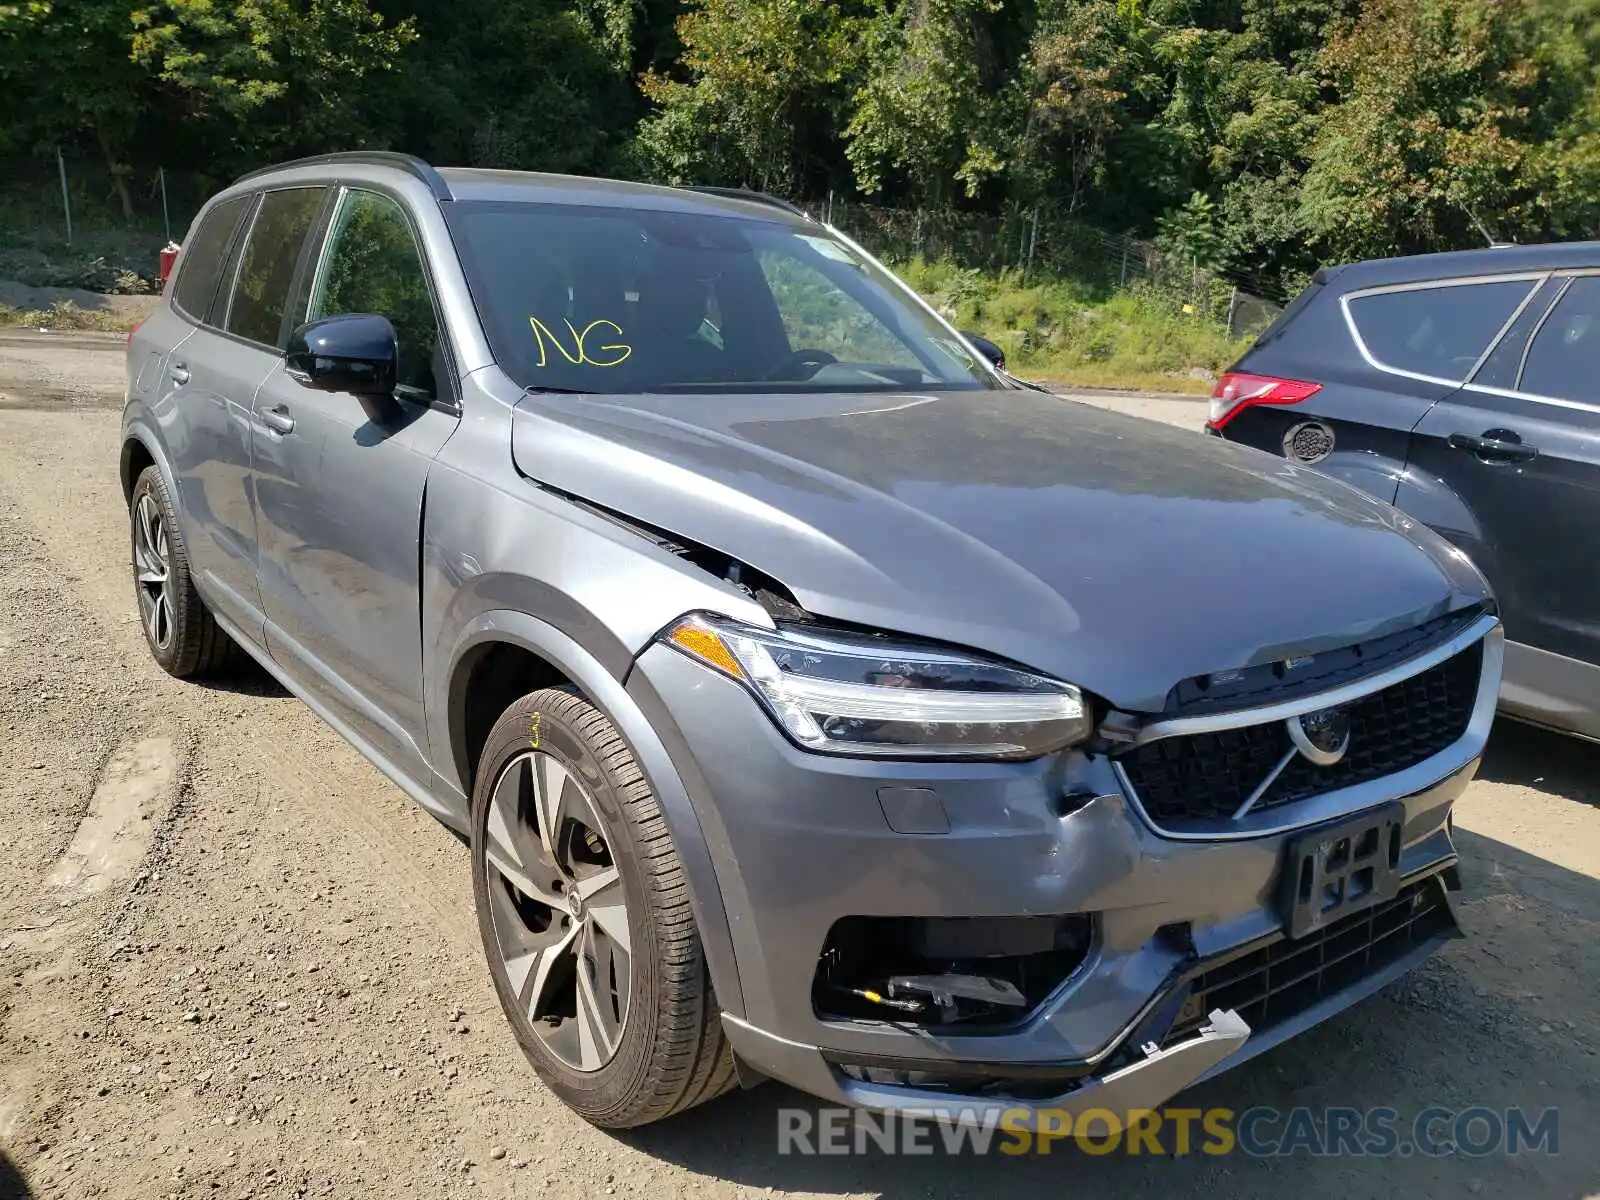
(202, 412)
(1520, 447)
(340, 484)
(216, 372)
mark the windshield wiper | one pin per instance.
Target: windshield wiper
(560, 391)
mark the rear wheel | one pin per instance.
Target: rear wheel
(182, 634)
(585, 918)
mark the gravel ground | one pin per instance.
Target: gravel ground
(1187, 411)
(234, 961)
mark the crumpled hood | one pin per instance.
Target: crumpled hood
(1119, 554)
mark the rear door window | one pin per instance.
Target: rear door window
(1440, 332)
(1564, 360)
(267, 266)
(200, 261)
(1504, 364)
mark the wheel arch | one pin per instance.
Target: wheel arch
(489, 677)
(142, 447)
(504, 650)
(136, 458)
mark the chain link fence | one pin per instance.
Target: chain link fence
(1040, 241)
(68, 220)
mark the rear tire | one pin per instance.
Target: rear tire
(607, 902)
(183, 636)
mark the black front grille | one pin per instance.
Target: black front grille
(1182, 781)
(1273, 984)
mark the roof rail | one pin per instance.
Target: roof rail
(408, 163)
(753, 197)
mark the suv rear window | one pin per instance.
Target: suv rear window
(200, 262)
(1438, 331)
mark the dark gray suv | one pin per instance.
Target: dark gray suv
(1464, 388)
(817, 702)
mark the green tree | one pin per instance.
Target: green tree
(1083, 61)
(757, 75)
(279, 76)
(1190, 232)
(922, 111)
(65, 74)
(1436, 136)
(536, 84)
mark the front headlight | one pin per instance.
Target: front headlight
(850, 694)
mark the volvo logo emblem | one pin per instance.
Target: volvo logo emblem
(1322, 737)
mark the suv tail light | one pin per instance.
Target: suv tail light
(133, 330)
(1237, 391)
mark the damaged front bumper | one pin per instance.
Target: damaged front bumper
(1145, 1084)
(1147, 958)
(1165, 1052)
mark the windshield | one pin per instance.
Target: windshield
(627, 300)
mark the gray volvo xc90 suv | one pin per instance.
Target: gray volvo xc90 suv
(817, 702)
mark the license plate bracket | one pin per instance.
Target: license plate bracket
(1341, 868)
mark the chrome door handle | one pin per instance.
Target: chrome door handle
(180, 374)
(277, 419)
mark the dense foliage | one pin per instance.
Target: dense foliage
(1259, 135)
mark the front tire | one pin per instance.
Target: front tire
(183, 636)
(585, 919)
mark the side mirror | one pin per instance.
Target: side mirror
(987, 348)
(356, 353)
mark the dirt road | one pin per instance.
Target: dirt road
(237, 962)
(1187, 411)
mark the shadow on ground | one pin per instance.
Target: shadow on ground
(12, 1184)
(245, 677)
(1552, 762)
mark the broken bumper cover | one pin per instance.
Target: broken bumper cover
(803, 844)
(1148, 1067)
(1141, 1085)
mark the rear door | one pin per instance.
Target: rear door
(190, 406)
(217, 371)
(1517, 454)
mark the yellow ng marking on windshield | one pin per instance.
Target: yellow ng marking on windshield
(579, 355)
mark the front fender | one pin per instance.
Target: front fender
(606, 692)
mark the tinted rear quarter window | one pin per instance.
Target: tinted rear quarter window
(1564, 360)
(200, 262)
(1296, 306)
(1437, 331)
(267, 266)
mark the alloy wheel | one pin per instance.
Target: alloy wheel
(152, 570)
(558, 910)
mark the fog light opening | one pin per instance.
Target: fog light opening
(944, 971)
